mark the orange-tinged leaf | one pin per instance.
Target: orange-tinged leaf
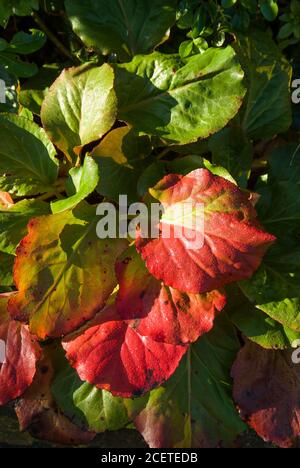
(63, 272)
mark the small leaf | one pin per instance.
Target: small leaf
(83, 181)
(23, 43)
(266, 391)
(269, 9)
(80, 107)
(85, 404)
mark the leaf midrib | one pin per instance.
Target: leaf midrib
(169, 92)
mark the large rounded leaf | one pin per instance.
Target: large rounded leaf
(18, 365)
(111, 354)
(63, 272)
(161, 313)
(180, 100)
(124, 27)
(233, 241)
(80, 107)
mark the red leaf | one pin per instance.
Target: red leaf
(267, 392)
(234, 242)
(111, 354)
(165, 314)
(21, 352)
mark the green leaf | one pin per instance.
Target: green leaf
(269, 9)
(180, 100)
(15, 66)
(232, 150)
(27, 164)
(194, 408)
(285, 31)
(157, 170)
(228, 3)
(23, 43)
(267, 110)
(16, 7)
(256, 325)
(85, 405)
(14, 220)
(121, 158)
(275, 287)
(123, 27)
(150, 176)
(124, 147)
(83, 181)
(6, 270)
(80, 107)
(63, 272)
(279, 205)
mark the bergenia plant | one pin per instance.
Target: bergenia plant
(106, 322)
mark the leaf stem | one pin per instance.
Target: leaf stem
(163, 153)
(59, 45)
